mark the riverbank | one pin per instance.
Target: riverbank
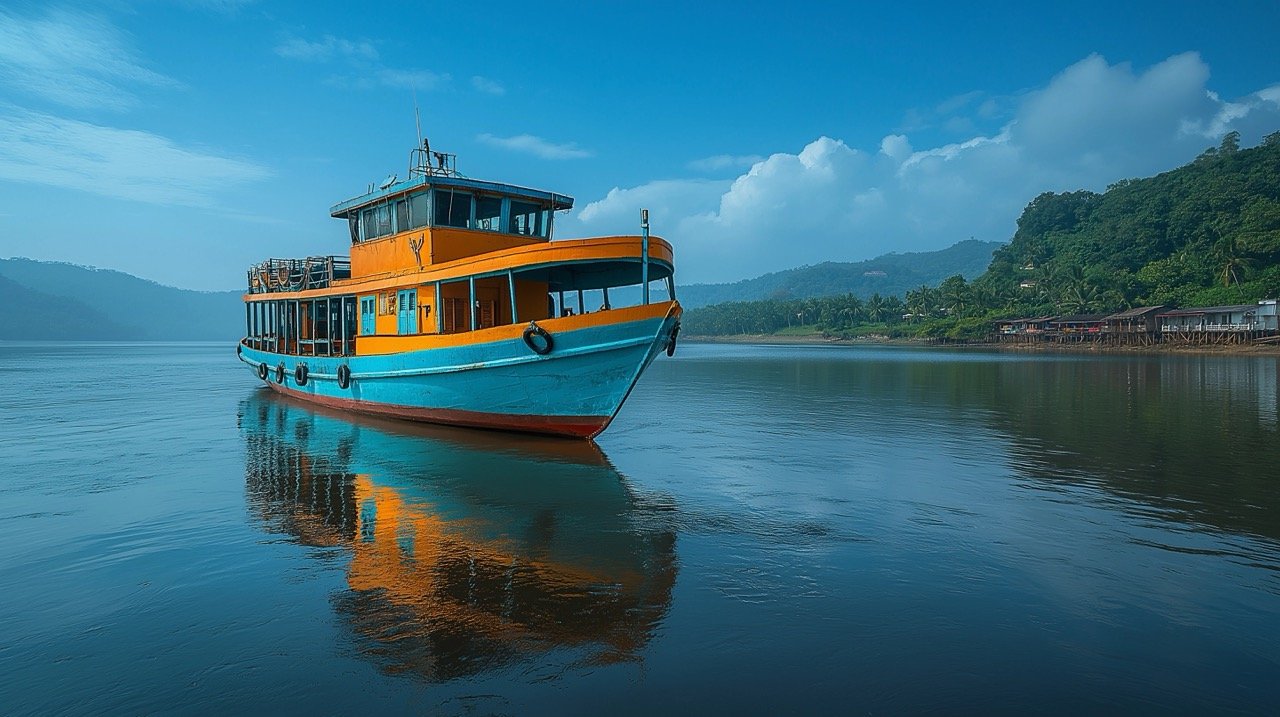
(1046, 347)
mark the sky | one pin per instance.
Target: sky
(183, 141)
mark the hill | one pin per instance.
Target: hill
(1204, 234)
(66, 301)
(37, 316)
(1207, 233)
(890, 274)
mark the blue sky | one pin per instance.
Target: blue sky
(182, 141)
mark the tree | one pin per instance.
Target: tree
(1232, 260)
(1230, 143)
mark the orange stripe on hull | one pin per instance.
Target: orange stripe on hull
(570, 426)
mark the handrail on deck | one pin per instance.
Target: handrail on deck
(313, 272)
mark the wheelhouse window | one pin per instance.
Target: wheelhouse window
(383, 220)
(402, 215)
(526, 218)
(452, 209)
(418, 214)
(489, 213)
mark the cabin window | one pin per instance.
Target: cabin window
(418, 210)
(383, 215)
(382, 304)
(453, 209)
(489, 213)
(370, 228)
(526, 218)
(402, 215)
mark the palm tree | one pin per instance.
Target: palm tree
(1233, 259)
(875, 308)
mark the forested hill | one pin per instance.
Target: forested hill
(1204, 234)
(63, 301)
(886, 275)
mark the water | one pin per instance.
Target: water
(762, 530)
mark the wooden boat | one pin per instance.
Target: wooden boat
(456, 307)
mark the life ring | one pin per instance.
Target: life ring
(300, 374)
(344, 376)
(542, 344)
(280, 373)
(671, 342)
(262, 371)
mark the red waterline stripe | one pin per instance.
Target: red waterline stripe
(573, 426)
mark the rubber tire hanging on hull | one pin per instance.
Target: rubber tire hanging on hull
(300, 374)
(263, 371)
(280, 373)
(671, 342)
(543, 348)
(344, 376)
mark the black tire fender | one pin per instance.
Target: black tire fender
(280, 372)
(671, 342)
(300, 374)
(263, 371)
(538, 339)
(344, 376)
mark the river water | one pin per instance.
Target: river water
(817, 530)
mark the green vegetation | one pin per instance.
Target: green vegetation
(1204, 234)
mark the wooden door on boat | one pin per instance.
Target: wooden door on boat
(368, 315)
(407, 312)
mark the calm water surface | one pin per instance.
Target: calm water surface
(762, 530)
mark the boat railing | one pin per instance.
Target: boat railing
(427, 163)
(313, 272)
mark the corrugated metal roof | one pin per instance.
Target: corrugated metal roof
(1135, 313)
(1079, 318)
(1198, 310)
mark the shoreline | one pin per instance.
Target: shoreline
(1065, 348)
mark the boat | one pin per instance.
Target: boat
(455, 306)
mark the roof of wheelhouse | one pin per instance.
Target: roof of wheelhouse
(437, 181)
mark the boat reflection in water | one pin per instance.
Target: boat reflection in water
(468, 550)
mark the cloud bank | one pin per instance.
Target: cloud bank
(537, 146)
(75, 60)
(119, 163)
(1091, 125)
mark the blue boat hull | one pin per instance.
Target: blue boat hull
(574, 390)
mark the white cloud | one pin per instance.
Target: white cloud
(896, 146)
(1091, 125)
(668, 201)
(721, 162)
(537, 146)
(119, 163)
(74, 59)
(326, 48)
(487, 86)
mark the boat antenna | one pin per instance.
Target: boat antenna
(417, 119)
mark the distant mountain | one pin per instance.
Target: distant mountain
(891, 274)
(37, 316)
(55, 300)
